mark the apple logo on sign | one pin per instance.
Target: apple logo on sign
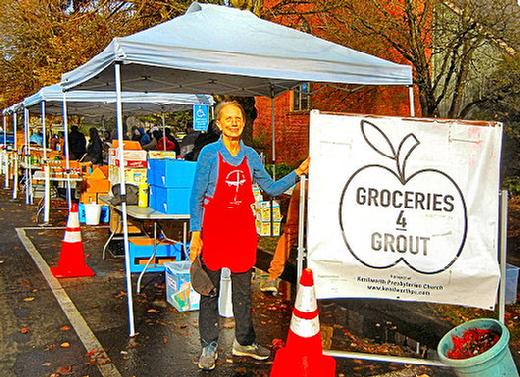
(387, 217)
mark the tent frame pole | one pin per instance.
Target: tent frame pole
(28, 165)
(411, 96)
(503, 256)
(120, 152)
(5, 166)
(66, 149)
(47, 192)
(15, 162)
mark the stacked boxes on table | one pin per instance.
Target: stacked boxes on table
(135, 166)
(135, 173)
(93, 186)
(179, 291)
(141, 249)
(263, 218)
(170, 183)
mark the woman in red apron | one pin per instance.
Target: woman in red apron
(222, 195)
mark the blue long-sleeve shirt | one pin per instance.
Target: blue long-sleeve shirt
(206, 175)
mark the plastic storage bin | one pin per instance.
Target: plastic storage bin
(179, 292)
(172, 173)
(170, 200)
(141, 249)
(511, 283)
(495, 362)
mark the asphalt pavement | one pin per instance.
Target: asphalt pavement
(79, 326)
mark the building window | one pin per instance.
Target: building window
(301, 97)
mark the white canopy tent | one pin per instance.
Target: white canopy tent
(242, 55)
(94, 104)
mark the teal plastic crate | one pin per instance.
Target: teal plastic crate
(141, 248)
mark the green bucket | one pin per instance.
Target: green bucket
(495, 362)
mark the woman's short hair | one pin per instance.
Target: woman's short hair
(223, 104)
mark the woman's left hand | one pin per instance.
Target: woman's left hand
(304, 167)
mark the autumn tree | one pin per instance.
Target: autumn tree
(450, 43)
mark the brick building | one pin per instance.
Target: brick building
(292, 108)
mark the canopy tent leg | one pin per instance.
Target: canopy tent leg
(301, 227)
(47, 193)
(66, 149)
(120, 151)
(29, 170)
(503, 256)
(412, 100)
(15, 162)
(6, 158)
(27, 157)
(163, 131)
(273, 144)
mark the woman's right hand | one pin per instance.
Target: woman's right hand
(195, 245)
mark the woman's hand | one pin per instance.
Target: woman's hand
(304, 167)
(195, 245)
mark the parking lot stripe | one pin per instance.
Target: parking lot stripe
(77, 321)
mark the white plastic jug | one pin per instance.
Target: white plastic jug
(92, 213)
(225, 305)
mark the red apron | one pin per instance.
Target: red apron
(229, 236)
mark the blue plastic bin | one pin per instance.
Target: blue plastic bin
(495, 362)
(173, 173)
(105, 214)
(170, 200)
(140, 250)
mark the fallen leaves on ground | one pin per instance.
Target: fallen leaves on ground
(97, 357)
(277, 344)
(24, 330)
(64, 370)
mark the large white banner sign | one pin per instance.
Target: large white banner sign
(404, 209)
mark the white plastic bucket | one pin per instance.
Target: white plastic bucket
(92, 214)
(225, 305)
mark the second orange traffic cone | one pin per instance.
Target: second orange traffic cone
(72, 259)
(303, 355)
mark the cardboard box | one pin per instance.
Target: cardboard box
(97, 185)
(88, 197)
(117, 224)
(133, 158)
(132, 176)
(179, 292)
(161, 154)
(141, 249)
(263, 228)
(263, 211)
(127, 144)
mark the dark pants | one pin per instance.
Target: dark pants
(241, 298)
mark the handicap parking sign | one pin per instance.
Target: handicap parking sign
(200, 117)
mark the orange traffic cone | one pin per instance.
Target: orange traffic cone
(72, 260)
(302, 356)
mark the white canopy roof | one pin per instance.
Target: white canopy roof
(13, 108)
(217, 49)
(98, 103)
